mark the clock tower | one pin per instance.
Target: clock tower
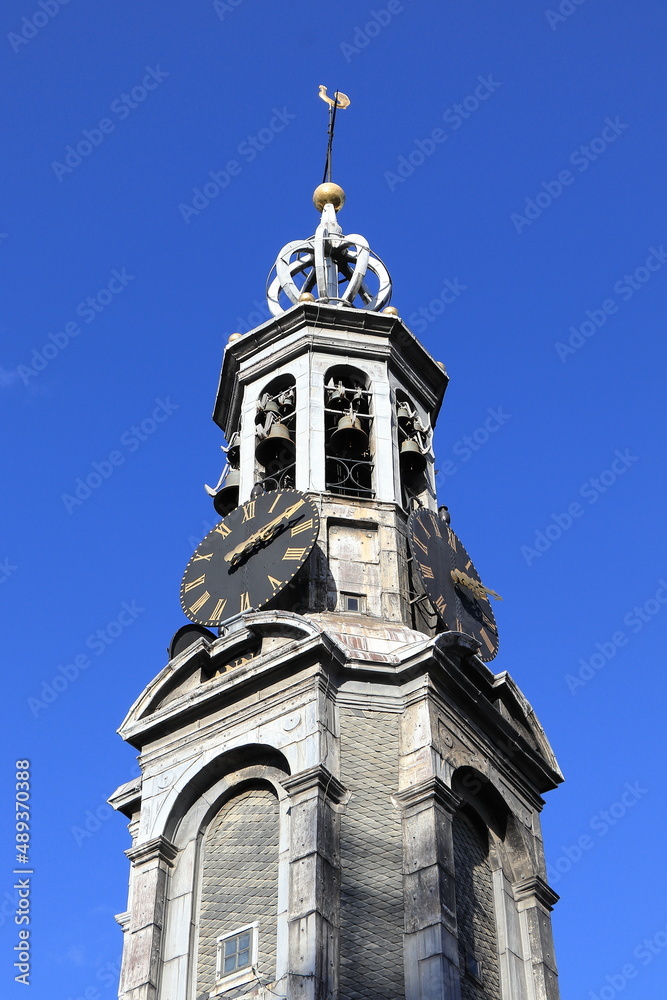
(338, 797)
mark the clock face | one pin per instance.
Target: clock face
(451, 582)
(249, 557)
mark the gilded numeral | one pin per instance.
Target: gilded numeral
(486, 639)
(441, 605)
(219, 608)
(304, 526)
(294, 554)
(469, 564)
(249, 510)
(272, 507)
(426, 571)
(194, 583)
(452, 539)
(276, 584)
(223, 530)
(245, 601)
(425, 530)
(436, 528)
(200, 602)
(421, 545)
(204, 555)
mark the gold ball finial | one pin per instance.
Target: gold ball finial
(329, 193)
(391, 311)
(233, 337)
(306, 297)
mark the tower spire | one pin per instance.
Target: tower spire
(337, 101)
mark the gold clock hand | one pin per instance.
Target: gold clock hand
(264, 534)
(477, 588)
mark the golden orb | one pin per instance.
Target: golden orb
(328, 194)
(233, 337)
(440, 365)
(391, 311)
(306, 297)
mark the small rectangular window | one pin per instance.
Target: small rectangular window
(237, 953)
(353, 602)
(473, 967)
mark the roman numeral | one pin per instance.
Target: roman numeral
(305, 526)
(441, 605)
(204, 555)
(219, 608)
(294, 554)
(421, 545)
(276, 584)
(469, 564)
(249, 510)
(195, 583)
(452, 539)
(223, 530)
(272, 507)
(245, 601)
(486, 639)
(436, 528)
(426, 571)
(200, 602)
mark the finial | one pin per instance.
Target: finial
(328, 194)
(337, 101)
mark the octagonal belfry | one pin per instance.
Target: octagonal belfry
(338, 798)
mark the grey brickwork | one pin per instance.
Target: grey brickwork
(475, 911)
(371, 963)
(239, 882)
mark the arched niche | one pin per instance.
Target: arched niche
(348, 432)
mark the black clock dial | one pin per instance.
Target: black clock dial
(249, 557)
(451, 582)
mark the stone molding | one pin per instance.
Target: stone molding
(318, 778)
(534, 887)
(432, 790)
(158, 849)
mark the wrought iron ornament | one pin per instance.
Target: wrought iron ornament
(249, 557)
(451, 582)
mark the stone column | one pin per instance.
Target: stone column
(314, 893)
(151, 863)
(535, 901)
(430, 943)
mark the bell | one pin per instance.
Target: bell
(404, 412)
(412, 459)
(227, 498)
(276, 447)
(234, 450)
(349, 439)
(337, 395)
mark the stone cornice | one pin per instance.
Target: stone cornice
(536, 888)
(319, 778)
(158, 849)
(431, 790)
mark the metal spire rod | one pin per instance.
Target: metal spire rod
(337, 101)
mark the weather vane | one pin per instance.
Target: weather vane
(337, 101)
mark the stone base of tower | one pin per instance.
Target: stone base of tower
(356, 802)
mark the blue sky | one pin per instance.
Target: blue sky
(507, 161)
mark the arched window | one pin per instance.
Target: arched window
(348, 432)
(475, 916)
(275, 451)
(238, 897)
(414, 440)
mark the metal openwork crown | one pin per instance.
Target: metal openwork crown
(329, 267)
